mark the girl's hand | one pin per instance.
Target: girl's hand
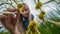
(9, 22)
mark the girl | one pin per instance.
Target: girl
(9, 21)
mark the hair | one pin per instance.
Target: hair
(11, 27)
(29, 16)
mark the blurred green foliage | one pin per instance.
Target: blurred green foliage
(4, 32)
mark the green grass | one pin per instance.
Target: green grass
(4, 32)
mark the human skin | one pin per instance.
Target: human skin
(9, 22)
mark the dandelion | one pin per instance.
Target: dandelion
(41, 15)
(20, 7)
(38, 5)
(32, 28)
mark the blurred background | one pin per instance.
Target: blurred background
(51, 7)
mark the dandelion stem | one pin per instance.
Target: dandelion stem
(8, 12)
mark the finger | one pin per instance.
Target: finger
(12, 10)
(2, 16)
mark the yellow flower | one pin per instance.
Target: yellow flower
(20, 7)
(38, 5)
(32, 23)
(41, 15)
(32, 28)
(42, 12)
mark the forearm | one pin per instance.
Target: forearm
(7, 24)
(2, 16)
